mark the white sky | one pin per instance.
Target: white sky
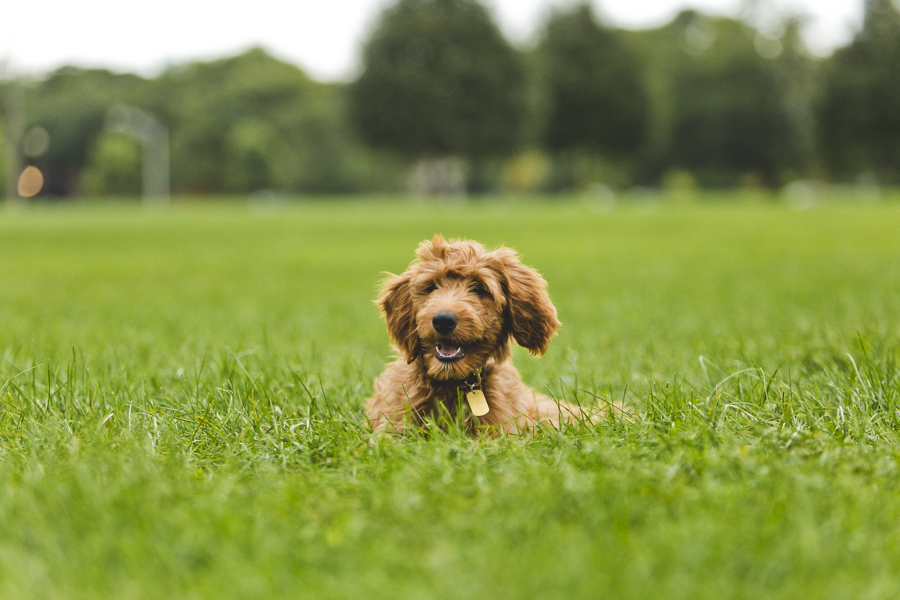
(322, 36)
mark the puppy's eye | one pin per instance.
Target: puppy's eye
(430, 288)
(479, 290)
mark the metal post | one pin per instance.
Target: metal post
(154, 137)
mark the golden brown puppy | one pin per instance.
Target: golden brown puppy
(452, 316)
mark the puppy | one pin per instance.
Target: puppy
(452, 316)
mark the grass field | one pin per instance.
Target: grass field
(181, 394)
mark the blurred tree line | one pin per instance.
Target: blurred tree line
(238, 125)
(445, 103)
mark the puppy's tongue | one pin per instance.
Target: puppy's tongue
(448, 352)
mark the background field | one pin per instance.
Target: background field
(181, 393)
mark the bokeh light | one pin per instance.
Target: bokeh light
(31, 181)
(35, 142)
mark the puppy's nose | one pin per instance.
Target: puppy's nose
(444, 322)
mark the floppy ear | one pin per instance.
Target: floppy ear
(396, 304)
(531, 316)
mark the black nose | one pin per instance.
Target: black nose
(444, 322)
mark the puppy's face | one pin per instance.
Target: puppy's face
(459, 318)
(458, 306)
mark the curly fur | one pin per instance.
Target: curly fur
(494, 299)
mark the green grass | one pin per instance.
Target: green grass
(181, 395)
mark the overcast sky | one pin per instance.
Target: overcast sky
(322, 36)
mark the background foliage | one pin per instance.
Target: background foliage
(702, 100)
(858, 111)
(439, 79)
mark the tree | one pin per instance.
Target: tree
(3, 158)
(114, 167)
(729, 109)
(859, 110)
(595, 92)
(252, 123)
(438, 79)
(71, 104)
(240, 124)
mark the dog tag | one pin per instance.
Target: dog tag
(477, 402)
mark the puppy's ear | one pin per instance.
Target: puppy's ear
(396, 304)
(531, 316)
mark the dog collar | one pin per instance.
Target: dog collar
(475, 396)
(473, 381)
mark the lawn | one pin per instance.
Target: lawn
(181, 398)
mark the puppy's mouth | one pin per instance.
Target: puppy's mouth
(448, 352)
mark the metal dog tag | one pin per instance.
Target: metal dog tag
(477, 402)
